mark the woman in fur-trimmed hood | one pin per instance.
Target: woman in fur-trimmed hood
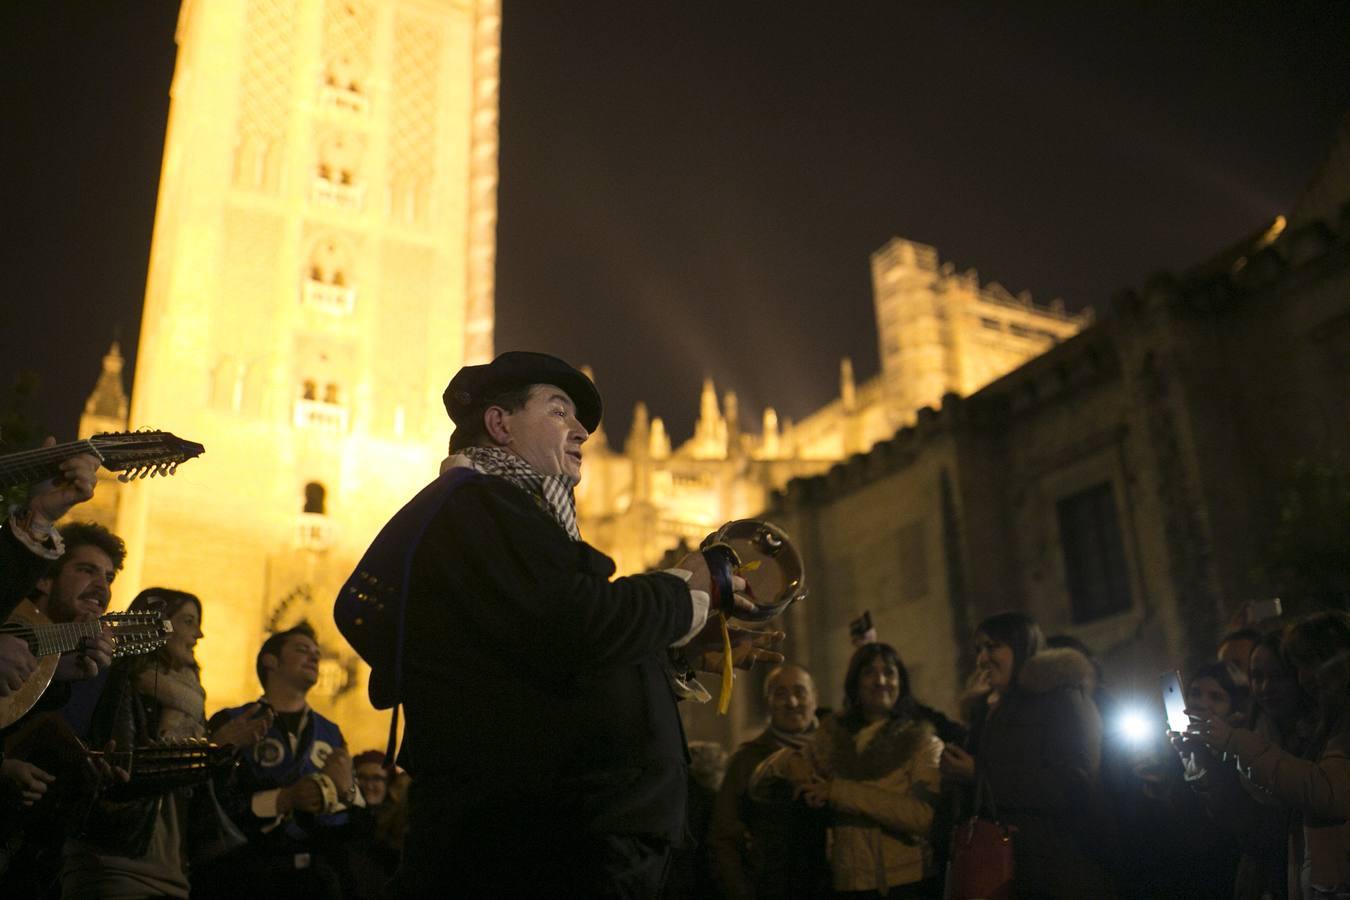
(874, 766)
(1035, 746)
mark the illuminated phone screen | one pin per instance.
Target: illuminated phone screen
(1174, 701)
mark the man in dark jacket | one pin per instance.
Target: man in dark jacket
(542, 736)
(770, 847)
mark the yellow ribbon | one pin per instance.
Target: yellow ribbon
(724, 698)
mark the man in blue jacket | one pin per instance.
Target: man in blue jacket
(293, 786)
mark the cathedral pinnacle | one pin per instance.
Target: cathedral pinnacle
(106, 408)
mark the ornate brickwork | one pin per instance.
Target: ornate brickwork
(348, 38)
(412, 126)
(264, 92)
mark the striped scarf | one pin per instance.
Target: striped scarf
(797, 739)
(552, 492)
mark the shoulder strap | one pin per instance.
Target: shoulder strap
(984, 795)
(387, 563)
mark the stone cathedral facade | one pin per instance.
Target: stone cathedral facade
(940, 332)
(323, 255)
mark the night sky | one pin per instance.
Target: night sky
(694, 187)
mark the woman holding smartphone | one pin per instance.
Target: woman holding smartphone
(1318, 787)
(1035, 747)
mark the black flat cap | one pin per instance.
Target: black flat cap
(473, 386)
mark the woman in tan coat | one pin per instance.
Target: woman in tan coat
(874, 766)
(1318, 788)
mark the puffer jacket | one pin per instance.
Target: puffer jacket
(1039, 754)
(881, 803)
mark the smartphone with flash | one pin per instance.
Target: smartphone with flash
(1174, 701)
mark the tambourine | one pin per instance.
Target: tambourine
(762, 554)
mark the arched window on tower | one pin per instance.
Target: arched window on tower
(316, 499)
(326, 414)
(344, 87)
(314, 530)
(338, 182)
(328, 283)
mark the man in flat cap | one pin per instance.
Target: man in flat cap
(543, 739)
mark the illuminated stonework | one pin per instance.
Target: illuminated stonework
(940, 332)
(321, 264)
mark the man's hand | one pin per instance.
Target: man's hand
(22, 783)
(793, 766)
(245, 729)
(52, 499)
(956, 764)
(94, 655)
(17, 663)
(747, 647)
(339, 768)
(103, 772)
(701, 579)
(815, 793)
(303, 796)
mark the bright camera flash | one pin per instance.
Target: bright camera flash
(1135, 727)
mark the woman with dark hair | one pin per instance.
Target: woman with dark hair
(135, 841)
(1318, 647)
(1180, 850)
(874, 766)
(1035, 751)
(1259, 822)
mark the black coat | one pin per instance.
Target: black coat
(769, 847)
(1039, 752)
(536, 704)
(20, 569)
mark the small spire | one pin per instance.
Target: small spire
(769, 446)
(639, 435)
(848, 391)
(660, 441)
(106, 408)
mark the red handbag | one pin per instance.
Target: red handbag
(981, 866)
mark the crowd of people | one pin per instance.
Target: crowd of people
(1250, 802)
(116, 784)
(544, 754)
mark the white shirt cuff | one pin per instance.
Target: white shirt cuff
(52, 548)
(699, 600)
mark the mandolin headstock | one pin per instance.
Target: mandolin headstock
(137, 633)
(142, 454)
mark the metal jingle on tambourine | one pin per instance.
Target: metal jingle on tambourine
(769, 563)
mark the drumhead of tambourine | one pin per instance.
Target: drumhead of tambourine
(769, 563)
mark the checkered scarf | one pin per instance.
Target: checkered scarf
(552, 492)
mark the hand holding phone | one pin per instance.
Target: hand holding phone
(1174, 701)
(861, 631)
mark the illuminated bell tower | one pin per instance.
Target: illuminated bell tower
(322, 262)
